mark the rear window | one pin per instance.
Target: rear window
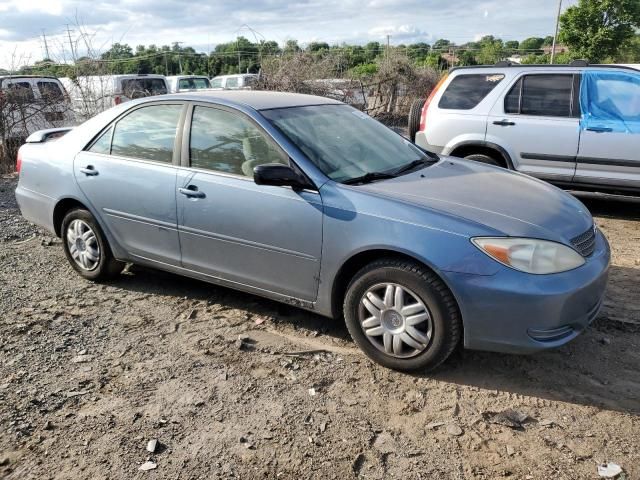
(20, 92)
(216, 83)
(193, 83)
(50, 91)
(232, 82)
(143, 87)
(467, 91)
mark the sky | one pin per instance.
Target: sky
(204, 23)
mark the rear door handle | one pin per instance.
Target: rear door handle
(192, 192)
(600, 129)
(89, 170)
(504, 123)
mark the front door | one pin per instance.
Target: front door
(610, 137)
(263, 237)
(539, 120)
(129, 176)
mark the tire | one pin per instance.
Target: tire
(415, 114)
(437, 336)
(482, 158)
(86, 247)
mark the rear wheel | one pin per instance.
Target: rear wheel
(86, 247)
(482, 158)
(415, 114)
(402, 315)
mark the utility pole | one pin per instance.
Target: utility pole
(46, 47)
(73, 52)
(388, 39)
(179, 56)
(555, 37)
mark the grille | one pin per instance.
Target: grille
(586, 242)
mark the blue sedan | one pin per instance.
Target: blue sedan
(310, 202)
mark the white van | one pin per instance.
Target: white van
(29, 103)
(187, 83)
(244, 81)
(91, 95)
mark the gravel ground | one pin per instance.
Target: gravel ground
(234, 386)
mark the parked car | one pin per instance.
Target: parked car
(576, 126)
(185, 83)
(29, 103)
(93, 94)
(310, 202)
(348, 91)
(244, 81)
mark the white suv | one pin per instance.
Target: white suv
(576, 125)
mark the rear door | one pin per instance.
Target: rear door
(610, 138)
(129, 173)
(537, 123)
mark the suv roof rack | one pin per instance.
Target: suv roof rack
(574, 64)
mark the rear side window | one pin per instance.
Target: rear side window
(147, 133)
(50, 91)
(467, 91)
(232, 82)
(216, 83)
(541, 95)
(193, 83)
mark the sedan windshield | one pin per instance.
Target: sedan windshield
(346, 144)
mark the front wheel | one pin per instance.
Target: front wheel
(402, 315)
(86, 247)
(482, 158)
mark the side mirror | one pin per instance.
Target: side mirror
(279, 175)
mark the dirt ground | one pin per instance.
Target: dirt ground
(234, 386)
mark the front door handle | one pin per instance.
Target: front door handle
(89, 170)
(600, 129)
(504, 123)
(192, 192)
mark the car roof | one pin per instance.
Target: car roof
(504, 66)
(256, 99)
(11, 77)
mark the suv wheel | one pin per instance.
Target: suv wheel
(414, 118)
(86, 248)
(480, 157)
(402, 315)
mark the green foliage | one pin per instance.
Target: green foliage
(491, 51)
(441, 44)
(630, 51)
(596, 29)
(512, 44)
(532, 43)
(364, 70)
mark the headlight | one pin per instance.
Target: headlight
(530, 255)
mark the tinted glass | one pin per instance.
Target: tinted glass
(232, 82)
(216, 83)
(226, 142)
(343, 142)
(20, 92)
(466, 91)
(50, 91)
(193, 83)
(103, 144)
(547, 95)
(147, 133)
(512, 100)
(143, 87)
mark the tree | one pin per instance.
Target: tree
(512, 44)
(531, 43)
(441, 44)
(491, 50)
(597, 29)
(548, 41)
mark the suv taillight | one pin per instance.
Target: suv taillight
(423, 117)
(18, 162)
(117, 99)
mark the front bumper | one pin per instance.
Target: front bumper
(515, 312)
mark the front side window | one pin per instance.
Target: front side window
(229, 143)
(343, 142)
(103, 143)
(147, 133)
(542, 96)
(610, 101)
(50, 91)
(467, 91)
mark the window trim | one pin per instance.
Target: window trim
(186, 140)
(175, 159)
(574, 100)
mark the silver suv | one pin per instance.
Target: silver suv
(574, 125)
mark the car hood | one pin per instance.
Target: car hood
(513, 204)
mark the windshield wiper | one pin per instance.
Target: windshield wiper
(369, 177)
(410, 166)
